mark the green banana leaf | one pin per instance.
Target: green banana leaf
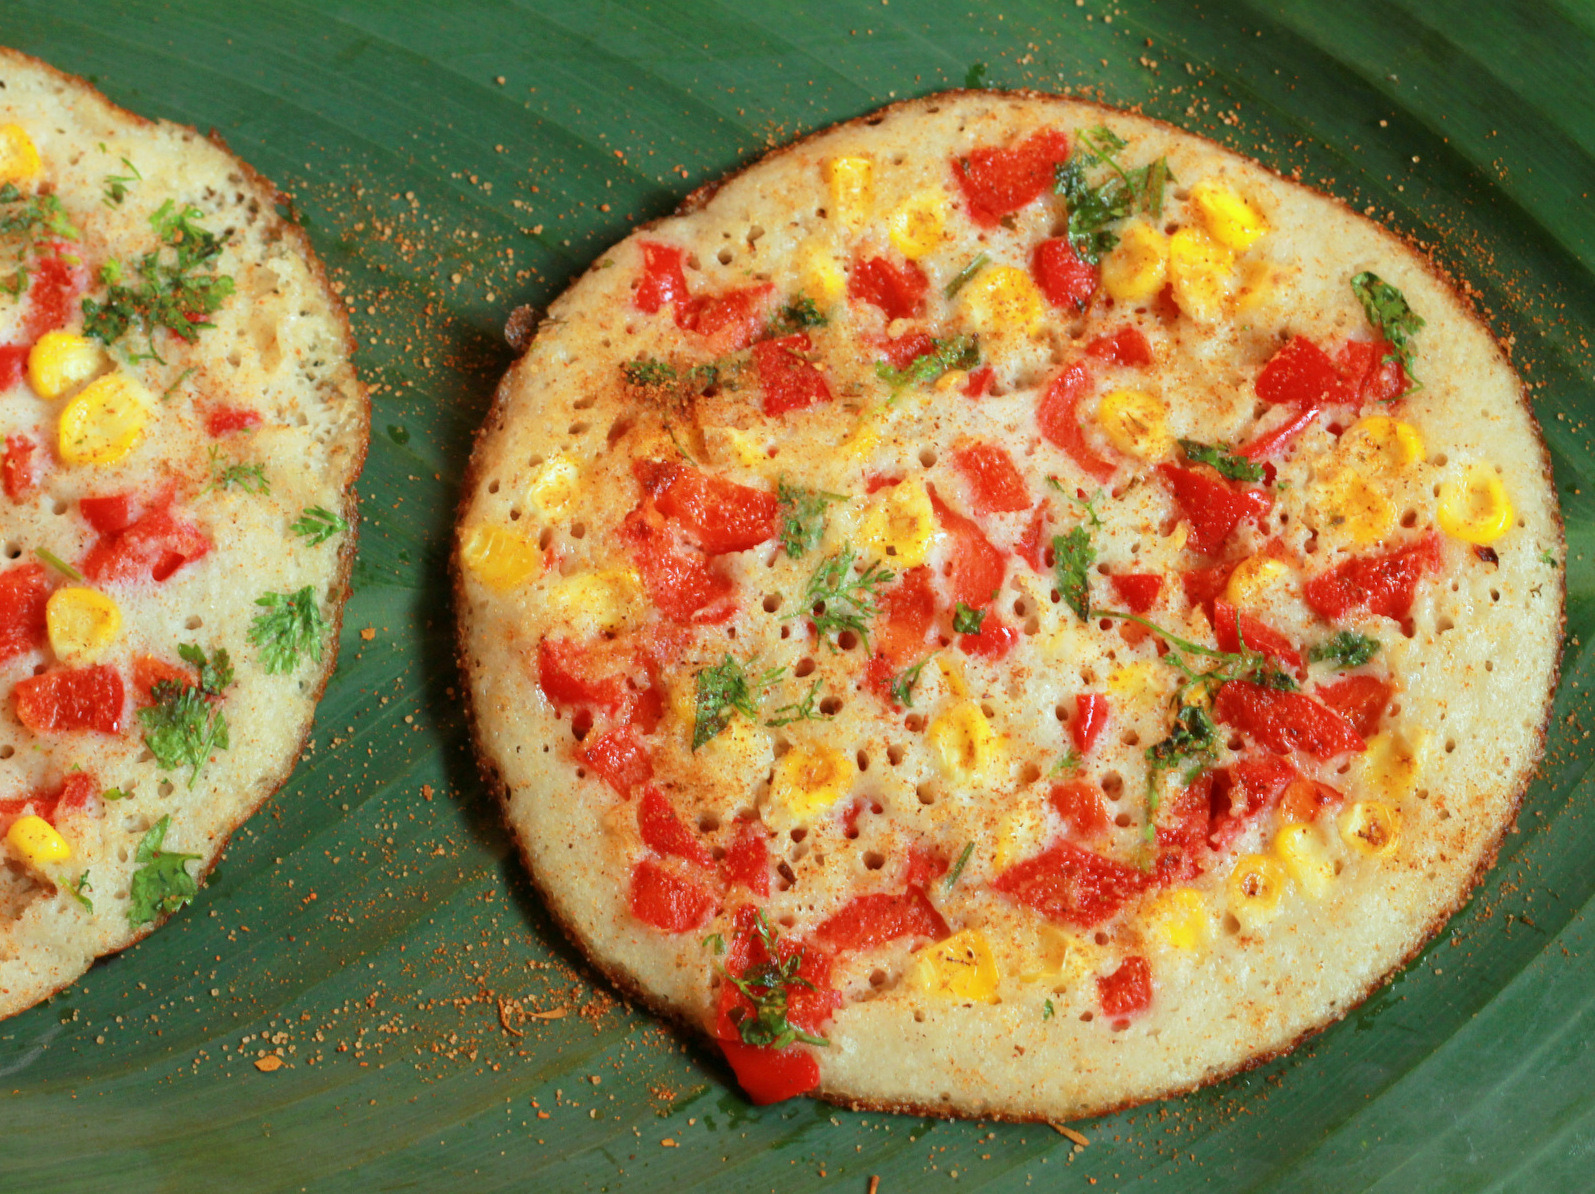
(373, 928)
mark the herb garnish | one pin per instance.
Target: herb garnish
(1087, 504)
(162, 884)
(1072, 557)
(797, 316)
(801, 710)
(182, 727)
(902, 687)
(1387, 310)
(1046, 1009)
(33, 219)
(958, 867)
(802, 513)
(766, 986)
(1093, 208)
(113, 794)
(967, 620)
(251, 478)
(722, 690)
(56, 562)
(963, 276)
(1071, 761)
(649, 372)
(1223, 458)
(715, 944)
(948, 353)
(76, 890)
(1347, 649)
(318, 524)
(837, 600)
(291, 626)
(116, 184)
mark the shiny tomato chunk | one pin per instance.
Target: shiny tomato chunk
(994, 483)
(1383, 584)
(1304, 799)
(663, 282)
(78, 791)
(1243, 790)
(1285, 721)
(770, 1075)
(1212, 508)
(1138, 590)
(24, 592)
(867, 921)
(748, 859)
(66, 699)
(223, 420)
(1301, 374)
(619, 758)
(1070, 885)
(1063, 277)
(718, 515)
(1230, 627)
(18, 470)
(1127, 346)
(925, 865)
(906, 349)
(1182, 833)
(907, 610)
(996, 182)
(139, 541)
(976, 568)
(664, 832)
(660, 897)
(1360, 699)
(1090, 719)
(1127, 990)
(729, 321)
(149, 671)
(678, 578)
(1081, 807)
(570, 673)
(788, 380)
(979, 382)
(898, 290)
(995, 640)
(1058, 416)
(1032, 547)
(52, 281)
(1370, 377)
(1273, 441)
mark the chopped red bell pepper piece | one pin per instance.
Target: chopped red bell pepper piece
(994, 483)
(720, 516)
(1212, 508)
(748, 859)
(907, 348)
(729, 321)
(1301, 374)
(975, 568)
(19, 470)
(1063, 277)
(138, 540)
(867, 921)
(1058, 416)
(1305, 798)
(1370, 376)
(1128, 990)
(1071, 885)
(666, 900)
(1127, 346)
(925, 865)
(1090, 719)
(664, 832)
(899, 291)
(979, 382)
(663, 282)
(1081, 808)
(67, 699)
(1258, 635)
(52, 281)
(149, 671)
(995, 640)
(77, 792)
(1243, 790)
(1270, 442)
(788, 380)
(1360, 699)
(619, 758)
(1383, 584)
(223, 420)
(996, 182)
(1285, 721)
(24, 592)
(1032, 546)
(1138, 590)
(907, 610)
(678, 578)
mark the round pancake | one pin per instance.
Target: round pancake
(223, 458)
(1018, 916)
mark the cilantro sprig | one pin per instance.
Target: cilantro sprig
(183, 726)
(963, 276)
(318, 524)
(902, 686)
(958, 867)
(1388, 313)
(840, 596)
(116, 185)
(291, 626)
(1348, 649)
(161, 884)
(967, 620)
(1223, 458)
(805, 708)
(797, 316)
(32, 221)
(1094, 207)
(768, 986)
(802, 515)
(1072, 557)
(251, 478)
(724, 689)
(948, 353)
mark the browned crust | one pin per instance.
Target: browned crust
(338, 590)
(627, 986)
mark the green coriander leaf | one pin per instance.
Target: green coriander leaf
(318, 524)
(948, 353)
(767, 986)
(1347, 649)
(161, 884)
(179, 380)
(650, 372)
(291, 626)
(116, 185)
(902, 687)
(721, 690)
(251, 478)
(182, 727)
(958, 867)
(797, 316)
(715, 944)
(1547, 557)
(56, 562)
(1071, 761)
(1047, 1010)
(1072, 557)
(975, 76)
(1093, 207)
(1222, 458)
(1388, 313)
(113, 794)
(76, 890)
(802, 514)
(1087, 504)
(803, 710)
(962, 278)
(215, 673)
(31, 221)
(967, 620)
(838, 599)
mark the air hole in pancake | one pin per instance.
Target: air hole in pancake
(919, 1016)
(913, 723)
(862, 759)
(798, 852)
(1231, 925)
(693, 262)
(1113, 785)
(772, 602)
(492, 486)
(1439, 460)
(1409, 519)
(927, 457)
(1170, 228)
(786, 632)
(1339, 866)
(987, 710)
(718, 853)
(165, 789)
(1029, 773)
(874, 860)
(1395, 709)
(515, 513)
(7, 751)
(1100, 937)
(40, 668)
(1443, 625)
(708, 823)
(1489, 666)
(1495, 594)
(1409, 628)
(894, 754)
(584, 403)
(581, 773)
(926, 794)
(194, 623)
(725, 256)
(785, 877)
(1130, 738)
(1450, 745)
(1235, 742)
(546, 538)
(1086, 1017)
(1032, 625)
(578, 429)
(831, 706)
(59, 508)
(1423, 793)
(1122, 820)
(877, 979)
(805, 667)
(1445, 814)
(847, 640)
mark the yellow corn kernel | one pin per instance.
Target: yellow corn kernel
(1255, 888)
(37, 842)
(104, 422)
(1372, 828)
(589, 604)
(554, 486)
(19, 156)
(1002, 300)
(916, 227)
(1137, 683)
(1136, 424)
(501, 559)
(1393, 762)
(61, 361)
(1229, 219)
(865, 437)
(1258, 582)
(1260, 281)
(964, 740)
(900, 525)
(1138, 266)
(1476, 509)
(819, 275)
(1052, 955)
(731, 443)
(1021, 833)
(808, 780)
(1299, 848)
(952, 674)
(1181, 918)
(736, 752)
(1381, 444)
(1349, 504)
(852, 184)
(1200, 269)
(960, 968)
(81, 623)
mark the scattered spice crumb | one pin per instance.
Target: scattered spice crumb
(268, 1063)
(1078, 1137)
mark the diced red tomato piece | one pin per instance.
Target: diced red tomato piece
(1271, 442)
(1127, 346)
(1301, 374)
(720, 516)
(52, 281)
(13, 360)
(1071, 885)
(1057, 414)
(223, 420)
(572, 674)
(67, 699)
(1243, 790)
(663, 282)
(619, 758)
(664, 832)
(1383, 584)
(1138, 590)
(1090, 719)
(149, 671)
(994, 483)
(1128, 990)
(995, 640)
(867, 921)
(996, 182)
(18, 470)
(1081, 807)
(788, 380)
(925, 865)
(1182, 834)
(729, 321)
(109, 514)
(1212, 508)
(24, 592)
(666, 900)
(1285, 721)
(678, 578)
(907, 610)
(979, 382)
(79, 791)
(1063, 277)
(771, 1075)
(907, 348)
(1203, 585)
(139, 541)
(899, 291)
(1258, 635)
(1370, 377)
(748, 859)
(1032, 546)
(975, 568)
(1360, 699)
(1304, 799)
